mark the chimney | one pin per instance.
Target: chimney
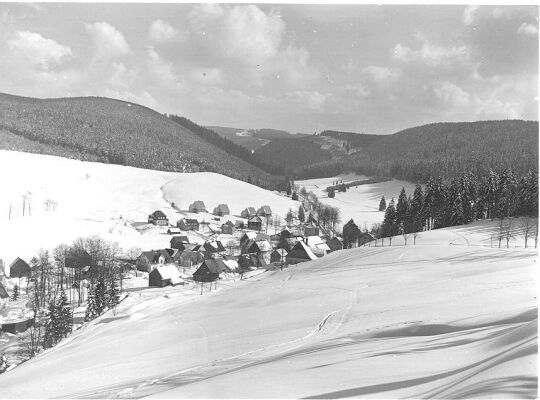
(305, 239)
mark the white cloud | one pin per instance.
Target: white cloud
(159, 69)
(358, 89)
(527, 29)
(109, 43)
(451, 94)
(161, 32)
(382, 74)
(121, 76)
(38, 50)
(432, 54)
(469, 14)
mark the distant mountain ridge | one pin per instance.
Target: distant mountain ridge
(115, 131)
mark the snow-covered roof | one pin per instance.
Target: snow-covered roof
(169, 272)
(232, 264)
(300, 245)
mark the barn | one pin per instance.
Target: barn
(335, 244)
(248, 212)
(19, 269)
(300, 253)
(221, 210)
(227, 228)
(148, 260)
(210, 270)
(197, 207)
(164, 275)
(158, 218)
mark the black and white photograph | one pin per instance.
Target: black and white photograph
(268, 200)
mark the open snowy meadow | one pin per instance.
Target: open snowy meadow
(433, 320)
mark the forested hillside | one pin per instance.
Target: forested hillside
(353, 140)
(250, 139)
(442, 149)
(113, 131)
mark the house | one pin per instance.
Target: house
(248, 261)
(311, 230)
(19, 269)
(285, 233)
(188, 224)
(78, 259)
(173, 231)
(256, 247)
(239, 224)
(365, 237)
(158, 218)
(255, 223)
(189, 257)
(350, 234)
(210, 270)
(247, 236)
(248, 212)
(278, 255)
(164, 275)
(300, 253)
(335, 244)
(227, 228)
(148, 260)
(317, 245)
(264, 211)
(288, 244)
(178, 242)
(197, 207)
(221, 210)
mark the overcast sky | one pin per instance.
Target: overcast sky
(302, 68)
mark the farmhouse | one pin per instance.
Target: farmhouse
(256, 247)
(248, 212)
(255, 223)
(227, 228)
(158, 218)
(148, 260)
(278, 255)
(300, 253)
(197, 207)
(189, 257)
(210, 270)
(335, 244)
(247, 261)
(221, 210)
(178, 242)
(188, 224)
(264, 211)
(317, 245)
(164, 275)
(19, 269)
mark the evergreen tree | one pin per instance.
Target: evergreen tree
(91, 312)
(113, 294)
(100, 296)
(295, 196)
(331, 193)
(382, 204)
(416, 209)
(289, 217)
(402, 210)
(389, 227)
(65, 316)
(301, 214)
(15, 295)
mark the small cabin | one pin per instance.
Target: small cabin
(188, 224)
(248, 261)
(264, 211)
(210, 270)
(164, 275)
(19, 269)
(197, 207)
(221, 210)
(158, 218)
(255, 223)
(256, 247)
(227, 228)
(300, 253)
(278, 255)
(248, 212)
(178, 242)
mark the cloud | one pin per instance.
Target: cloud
(109, 43)
(469, 14)
(312, 99)
(121, 76)
(432, 54)
(161, 32)
(160, 69)
(382, 74)
(38, 50)
(357, 89)
(527, 29)
(451, 94)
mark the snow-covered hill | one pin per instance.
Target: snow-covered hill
(431, 320)
(67, 199)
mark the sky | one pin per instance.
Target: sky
(301, 68)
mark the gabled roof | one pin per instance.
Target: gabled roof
(280, 252)
(168, 272)
(229, 222)
(231, 264)
(153, 256)
(222, 208)
(19, 268)
(216, 266)
(180, 239)
(256, 218)
(249, 211)
(317, 242)
(264, 210)
(264, 245)
(302, 250)
(158, 214)
(3, 292)
(197, 205)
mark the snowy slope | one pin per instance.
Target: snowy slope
(104, 199)
(432, 320)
